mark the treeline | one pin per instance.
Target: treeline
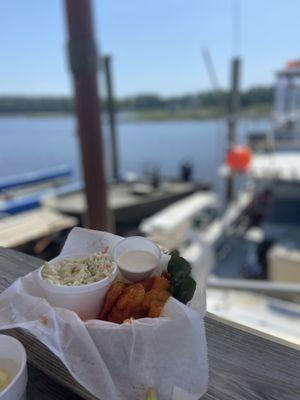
(11, 105)
(251, 97)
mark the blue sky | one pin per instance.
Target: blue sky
(156, 43)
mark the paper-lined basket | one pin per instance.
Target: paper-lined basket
(118, 362)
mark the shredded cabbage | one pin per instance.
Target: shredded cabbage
(78, 272)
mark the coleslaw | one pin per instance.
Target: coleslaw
(78, 272)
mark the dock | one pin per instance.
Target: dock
(243, 363)
(130, 203)
(40, 207)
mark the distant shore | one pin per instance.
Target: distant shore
(204, 113)
(197, 114)
(254, 102)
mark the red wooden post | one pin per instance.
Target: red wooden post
(83, 59)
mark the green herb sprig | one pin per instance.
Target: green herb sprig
(183, 284)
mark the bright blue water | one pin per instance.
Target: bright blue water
(33, 143)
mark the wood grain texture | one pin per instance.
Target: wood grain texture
(19, 229)
(40, 384)
(243, 364)
(41, 387)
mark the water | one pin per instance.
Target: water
(34, 143)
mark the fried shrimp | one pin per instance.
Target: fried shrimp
(156, 308)
(132, 296)
(111, 298)
(161, 283)
(117, 316)
(153, 294)
(148, 283)
(126, 302)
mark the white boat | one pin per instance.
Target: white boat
(251, 252)
(286, 113)
(170, 226)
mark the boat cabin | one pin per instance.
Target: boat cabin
(286, 112)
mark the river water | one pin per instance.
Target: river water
(33, 143)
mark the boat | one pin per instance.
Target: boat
(270, 246)
(169, 227)
(37, 209)
(261, 270)
(286, 112)
(285, 117)
(252, 249)
(25, 191)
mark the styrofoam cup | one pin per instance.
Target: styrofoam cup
(85, 300)
(13, 360)
(136, 243)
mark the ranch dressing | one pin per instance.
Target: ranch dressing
(137, 260)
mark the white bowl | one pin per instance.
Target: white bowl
(135, 243)
(85, 300)
(13, 360)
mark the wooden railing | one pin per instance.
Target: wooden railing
(243, 363)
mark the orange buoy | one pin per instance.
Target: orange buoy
(239, 158)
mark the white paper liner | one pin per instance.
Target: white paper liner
(119, 362)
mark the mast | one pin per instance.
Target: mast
(111, 115)
(234, 100)
(234, 107)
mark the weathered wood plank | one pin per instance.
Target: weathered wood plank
(244, 364)
(40, 384)
(16, 230)
(43, 360)
(41, 387)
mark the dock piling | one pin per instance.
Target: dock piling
(83, 60)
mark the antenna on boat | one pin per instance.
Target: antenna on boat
(221, 100)
(210, 68)
(236, 27)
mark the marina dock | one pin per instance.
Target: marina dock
(41, 206)
(129, 202)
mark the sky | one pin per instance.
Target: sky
(156, 44)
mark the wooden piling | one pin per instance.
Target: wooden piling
(83, 59)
